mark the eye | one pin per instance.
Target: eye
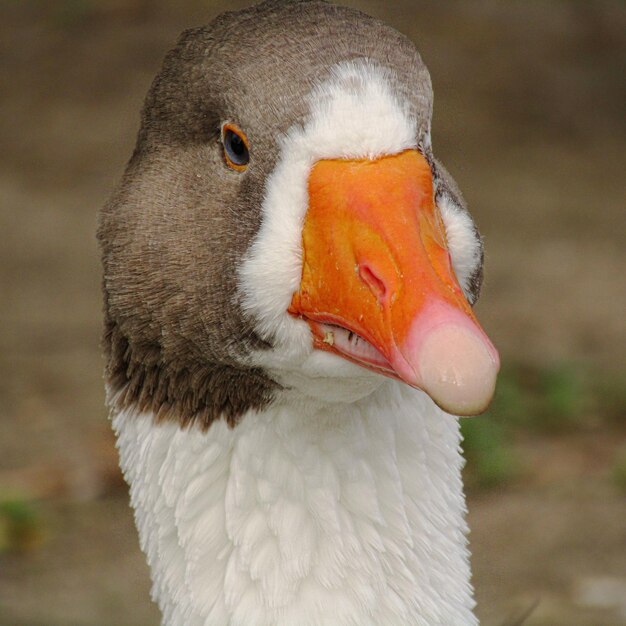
(235, 145)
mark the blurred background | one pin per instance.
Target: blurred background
(529, 117)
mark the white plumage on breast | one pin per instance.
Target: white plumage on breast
(329, 517)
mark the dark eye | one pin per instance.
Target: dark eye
(235, 145)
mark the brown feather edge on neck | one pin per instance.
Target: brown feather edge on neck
(139, 381)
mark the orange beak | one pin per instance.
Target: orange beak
(377, 284)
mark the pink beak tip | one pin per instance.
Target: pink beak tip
(450, 358)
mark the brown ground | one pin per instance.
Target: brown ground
(529, 118)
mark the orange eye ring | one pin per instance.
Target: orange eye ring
(236, 147)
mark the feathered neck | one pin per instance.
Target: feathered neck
(307, 514)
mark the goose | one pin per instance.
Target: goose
(289, 276)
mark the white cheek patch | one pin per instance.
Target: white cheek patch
(354, 114)
(463, 242)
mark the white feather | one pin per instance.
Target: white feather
(462, 241)
(305, 516)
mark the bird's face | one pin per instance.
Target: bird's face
(354, 264)
(284, 216)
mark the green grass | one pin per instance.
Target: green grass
(609, 394)
(20, 524)
(491, 460)
(542, 401)
(619, 470)
(546, 399)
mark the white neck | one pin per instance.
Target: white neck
(300, 515)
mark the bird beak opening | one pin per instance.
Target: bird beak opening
(377, 284)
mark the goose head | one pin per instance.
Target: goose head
(283, 226)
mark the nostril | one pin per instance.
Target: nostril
(375, 284)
